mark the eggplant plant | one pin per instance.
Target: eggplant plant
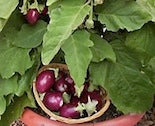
(111, 41)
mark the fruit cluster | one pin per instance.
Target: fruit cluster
(54, 88)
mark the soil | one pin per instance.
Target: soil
(147, 120)
(112, 112)
(17, 123)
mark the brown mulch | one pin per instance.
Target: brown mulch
(149, 118)
(17, 123)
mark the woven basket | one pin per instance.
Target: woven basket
(53, 116)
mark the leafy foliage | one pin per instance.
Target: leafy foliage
(2, 23)
(11, 58)
(15, 22)
(6, 8)
(150, 69)
(126, 14)
(33, 36)
(12, 112)
(77, 47)
(64, 20)
(131, 86)
(101, 49)
(152, 63)
(97, 73)
(50, 2)
(5, 11)
(9, 99)
(8, 86)
(117, 48)
(2, 105)
(25, 81)
(143, 39)
(148, 6)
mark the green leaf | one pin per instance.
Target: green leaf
(2, 23)
(101, 49)
(9, 99)
(7, 7)
(131, 87)
(97, 73)
(53, 6)
(26, 81)
(150, 69)
(122, 14)
(31, 97)
(143, 39)
(15, 21)
(14, 110)
(152, 63)
(2, 105)
(78, 55)
(124, 80)
(13, 59)
(50, 2)
(8, 86)
(63, 21)
(125, 55)
(30, 36)
(148, 6)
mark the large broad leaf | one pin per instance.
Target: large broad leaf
(125, 56)
(13, 59)
(50, 2)
(101, 49)
(30, 36)
(131, 86)
(14, 110)
(25, 82)
(16, 20)
(143, 40)
(2, 23)
(8, 86)
(97, 73)
(2, 105)
(7, 7)
(148, 6)
(63, 21)
(152, 63)
(122, 14)
(78, 55)
(9, 99)
(150, 69)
